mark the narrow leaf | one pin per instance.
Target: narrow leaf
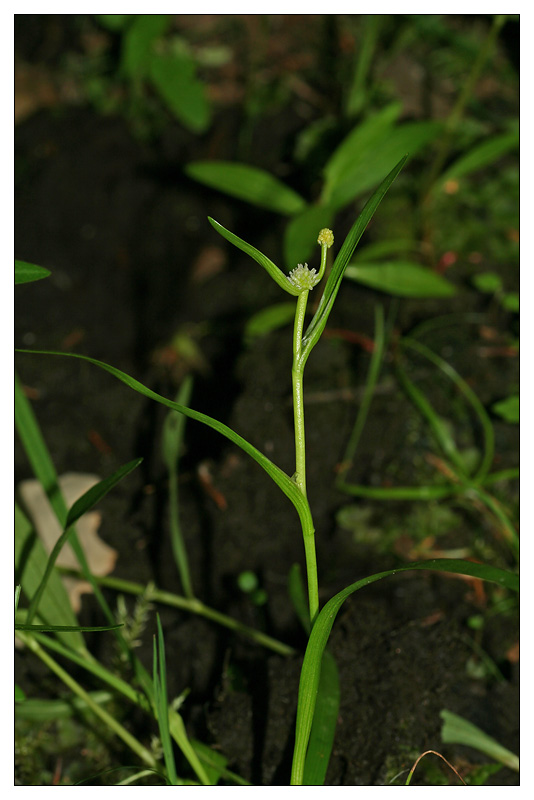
(22, 626)
(30, 561)
(282, 480)
(368, 166)
(324, 723)
(311, 667)
(333, 283)
(401, 278)
(26, 273)
(275, 272)
(481, 155)
(457, 730)
(248, 183)
(80, 507)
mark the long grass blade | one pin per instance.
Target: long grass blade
(282, 480)
(79, 508)
(311, 667)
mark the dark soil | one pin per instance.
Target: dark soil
(123, 231)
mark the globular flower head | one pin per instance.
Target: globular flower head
(326, 237)
(302, 277)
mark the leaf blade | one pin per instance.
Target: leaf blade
(247, 183)
(311, 666)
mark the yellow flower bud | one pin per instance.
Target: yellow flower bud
(326, 237)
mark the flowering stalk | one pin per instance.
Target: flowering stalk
(304, 279)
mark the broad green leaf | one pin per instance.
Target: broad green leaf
(275, 272)
(41, 710)
(367, 166)
(481, 156)
(457, 730)
(79, 508)
(269, 319)
(333, 283)
(488, 282)
(508, 408)
(359, 141)
(248, 183)
(30, 562)
(173, 75)
(300, 238)
(401, 278)
(138, 43)
(26, 273)
(510, 302)
(311, 667)
(377, 250)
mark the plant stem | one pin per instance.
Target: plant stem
(195, 606)
(297, 374)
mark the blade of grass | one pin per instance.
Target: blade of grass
(194, 606)
(324, 723)
(372, 379)
(311, 667)
(79, 508)
(173, 434)
(161, 704)
(442, 436)
(30, 561)
(43, 467)
(282, 480)
(100, 712)
(457, 730)
(471, 397)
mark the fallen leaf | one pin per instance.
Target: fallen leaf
(100, 556)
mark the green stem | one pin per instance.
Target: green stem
(177, 541)
(106, 718)
(195, 606)
(297, 374)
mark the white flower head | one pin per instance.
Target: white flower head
(302, 277)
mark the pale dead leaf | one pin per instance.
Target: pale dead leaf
(100, 556)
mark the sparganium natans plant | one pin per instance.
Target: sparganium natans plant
(313, 742)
